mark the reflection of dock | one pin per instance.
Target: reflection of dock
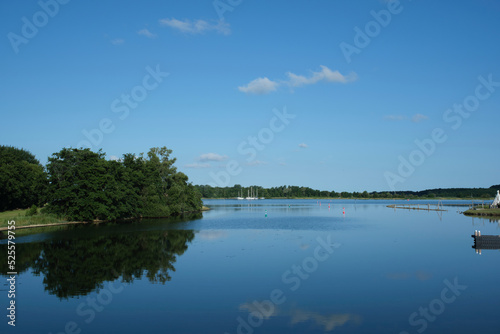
(485, 241)
(427, 207)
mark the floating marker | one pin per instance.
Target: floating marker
(343, 211)
(266, 213)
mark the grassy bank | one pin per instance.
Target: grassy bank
(23, 220)
(483, 212)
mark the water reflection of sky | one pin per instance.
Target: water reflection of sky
(386, 265)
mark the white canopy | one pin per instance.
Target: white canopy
(496, 201)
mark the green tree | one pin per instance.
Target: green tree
(23, 181)
(80, 186)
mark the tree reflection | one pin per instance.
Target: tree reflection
(76, 267)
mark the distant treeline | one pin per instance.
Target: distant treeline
(78, 184)
(306, 192)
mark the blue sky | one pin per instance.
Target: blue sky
(359, 82)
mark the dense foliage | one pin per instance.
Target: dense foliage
(86, 186)
(306, 192)
(23, 180)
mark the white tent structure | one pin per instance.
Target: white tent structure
(496, 201)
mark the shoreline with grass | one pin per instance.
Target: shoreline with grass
(483, 212)
(28, 219)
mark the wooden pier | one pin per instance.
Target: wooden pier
(426, 207)
(485, 241)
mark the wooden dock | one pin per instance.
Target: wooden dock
(485, 241)
(426, 207)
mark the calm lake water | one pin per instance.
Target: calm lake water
(267, 266)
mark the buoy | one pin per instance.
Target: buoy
(266, 213)
(343, 211)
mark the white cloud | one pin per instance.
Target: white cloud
(303, 145)
(324, 75)
(418, 118)
(212, 157)
(114, 157)
(259, 86)
(117, 41)
(197, 165)
(147, 33)
(265, 86)
(197, 27)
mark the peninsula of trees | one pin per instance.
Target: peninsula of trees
(79, 184)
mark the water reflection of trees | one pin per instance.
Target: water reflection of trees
(75, 267)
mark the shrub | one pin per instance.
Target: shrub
(32, 211)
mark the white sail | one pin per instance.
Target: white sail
(496, 201)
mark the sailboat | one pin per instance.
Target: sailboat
(240, 197)
(250, 194)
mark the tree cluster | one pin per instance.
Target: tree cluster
(208, 191)
(83, 185)
(79, 184)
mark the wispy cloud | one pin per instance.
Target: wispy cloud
(252, 308)
(212, 157)
(211, 235)
(197, 26)
(395, 117)
(415, 119)
(303, 145)
(418, 118)
(328, 322)
(147, 33)
(265, 85)
(117, 41)
(256, 163)
(325, 74)
(259, 86)
(198, 165)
